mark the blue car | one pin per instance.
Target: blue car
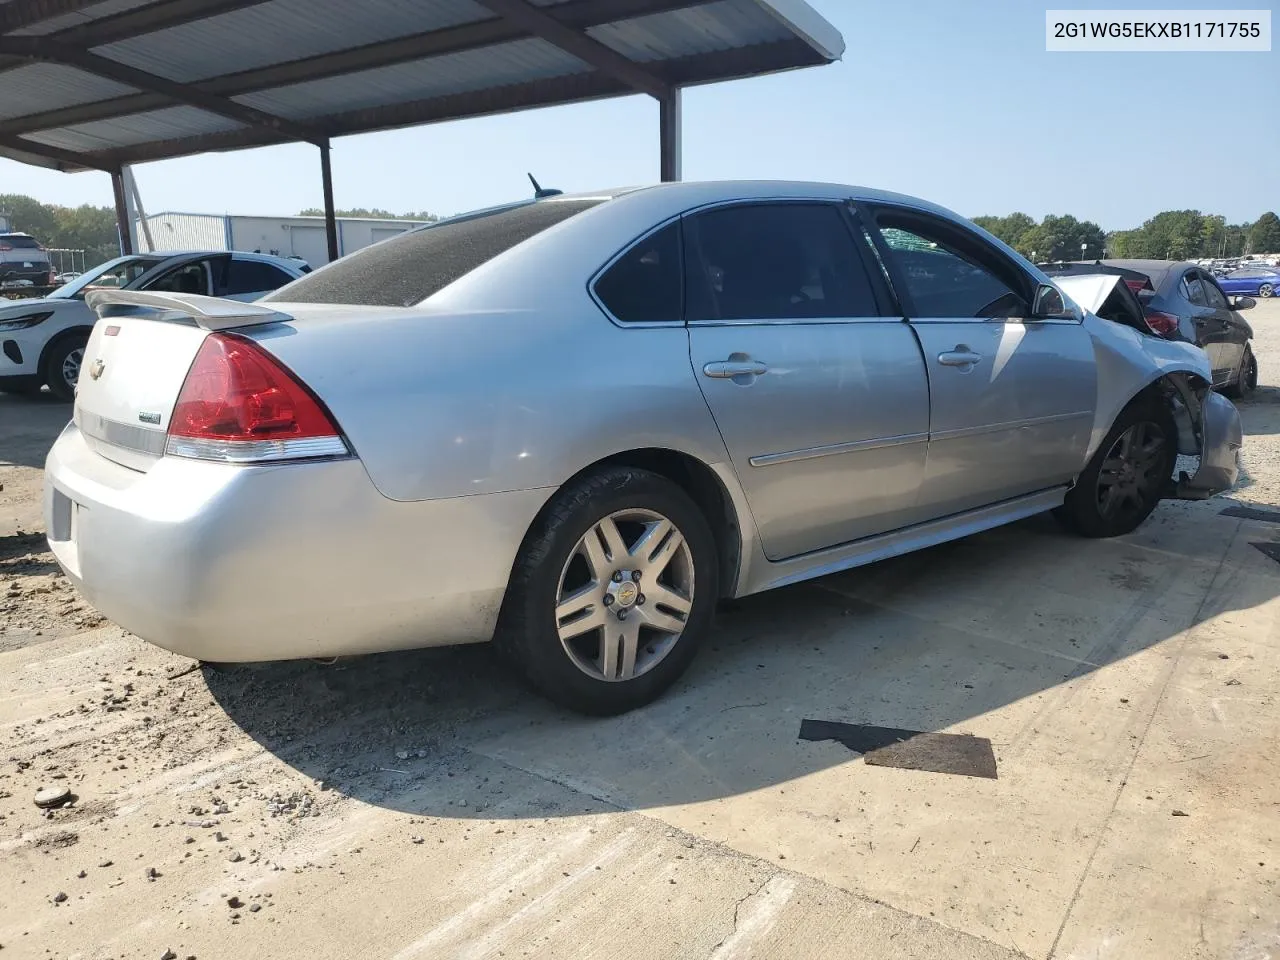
(1251, 281)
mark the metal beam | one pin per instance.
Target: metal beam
(552, 91)
(330, 217)
(670, 137)
(64, 159)
(17, 14)
(605, 59)
(135, 23)
(41, 48)
(122, 212)
(577, 14)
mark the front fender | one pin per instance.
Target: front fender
(1221, 437)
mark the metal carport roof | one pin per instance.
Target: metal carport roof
(101, 84)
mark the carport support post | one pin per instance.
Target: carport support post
(669, 135)
(122, 213)
(330, 218)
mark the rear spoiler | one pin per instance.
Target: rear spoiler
(210, 313)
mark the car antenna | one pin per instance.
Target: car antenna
(540, 192)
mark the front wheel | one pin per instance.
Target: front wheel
(1127, 475)
(62, 367)
(1266, 290)
(612, 593)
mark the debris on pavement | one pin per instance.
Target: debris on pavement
(51, 797)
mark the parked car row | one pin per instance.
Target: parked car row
(592, 417)
(1182, 300)
(42, 340)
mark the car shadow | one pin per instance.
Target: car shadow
(937, 640)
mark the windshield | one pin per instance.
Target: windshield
(114, 274)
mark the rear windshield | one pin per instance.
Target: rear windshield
(19, 243)
(409, 268)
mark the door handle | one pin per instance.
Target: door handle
(732, 369)
(960, 357)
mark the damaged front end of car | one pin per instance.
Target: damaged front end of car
(1133, 360)
(1208, 427)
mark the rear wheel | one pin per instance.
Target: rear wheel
(1266, 290)
(612, 593)
(1127, 476)
(1246, 377)
(62, 367)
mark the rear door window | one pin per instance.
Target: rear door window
(766, 261)
(188, 278)
(407, 269)
(1193, 290)
(250, 276)
(646, 284)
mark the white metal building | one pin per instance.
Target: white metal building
(284, 236)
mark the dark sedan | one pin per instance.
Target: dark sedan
(1184, 301)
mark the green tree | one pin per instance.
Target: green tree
(1061, 238)
(88, 228)
(1264, 236)
(1009, 229)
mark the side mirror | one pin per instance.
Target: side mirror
(1243, 303)
(1050, 304)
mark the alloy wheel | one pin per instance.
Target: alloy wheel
(1266, 290)
(71, 366)
(1131, 474)
(625, 595)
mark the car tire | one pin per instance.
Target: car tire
(1120, 487)
(1266, 290)
(64, 356)
(578, 624)
(1246, 381)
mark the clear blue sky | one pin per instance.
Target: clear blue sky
(954, 101)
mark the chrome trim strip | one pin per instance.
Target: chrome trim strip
(256, 451)
(833, 449)
(119, 434)
(1009, 425)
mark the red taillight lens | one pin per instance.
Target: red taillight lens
(239, 404)
(1136, 285)
(1161, 324)
(5, 248)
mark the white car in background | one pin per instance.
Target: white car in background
(42, 340)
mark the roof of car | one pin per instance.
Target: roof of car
(238, 254)
(1157, 270)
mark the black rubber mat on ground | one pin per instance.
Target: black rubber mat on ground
(958, 754)
(1251, 513)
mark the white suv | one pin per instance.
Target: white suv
(42, 341)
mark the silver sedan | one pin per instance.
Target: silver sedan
(572, 425)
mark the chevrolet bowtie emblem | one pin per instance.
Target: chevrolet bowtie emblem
(95, 371)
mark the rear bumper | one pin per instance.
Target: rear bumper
(238, 564)
(1220, 452)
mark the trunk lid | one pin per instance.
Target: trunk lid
(136, 361)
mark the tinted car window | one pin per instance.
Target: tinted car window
(942, 279)
(191, 278)
(1213, 295)
(250, 276)
(646, 283)
(19, 242)
(1193, 291)
(407, 269)
(774, 261)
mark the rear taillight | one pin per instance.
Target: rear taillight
(240, 405)
(5, 248)
(1136, 285)
(1160, 323)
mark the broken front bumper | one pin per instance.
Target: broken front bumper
(1221, 438)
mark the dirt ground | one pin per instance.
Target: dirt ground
(426, 805)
